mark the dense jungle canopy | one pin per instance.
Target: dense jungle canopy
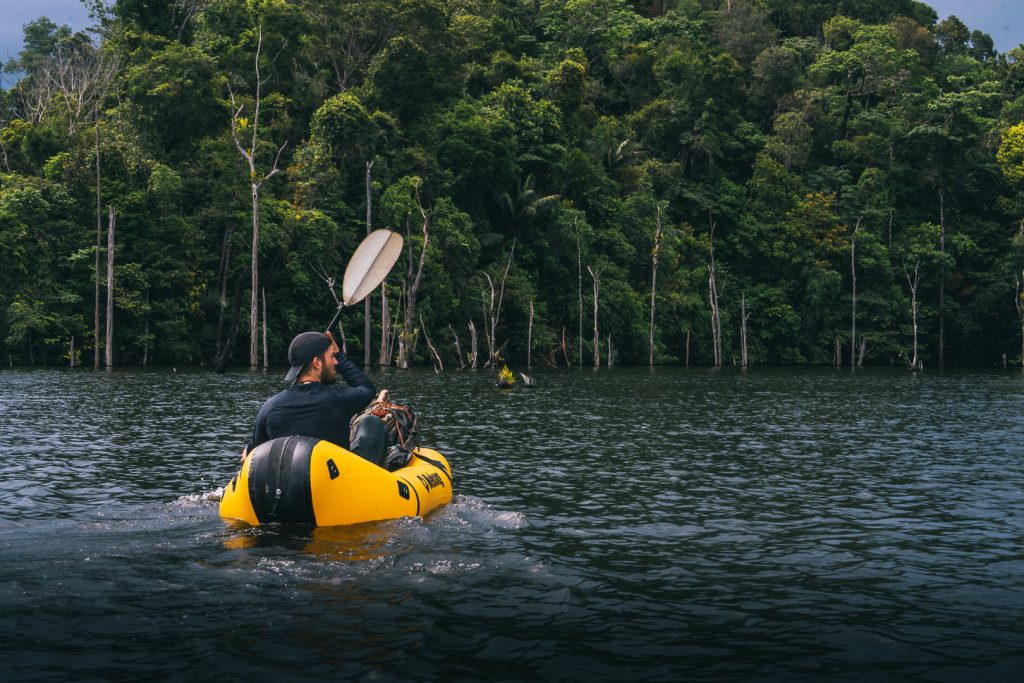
(812, 181)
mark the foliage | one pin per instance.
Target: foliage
(801, 144)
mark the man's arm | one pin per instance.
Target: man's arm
(363, 389)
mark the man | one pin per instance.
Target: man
(312, 406)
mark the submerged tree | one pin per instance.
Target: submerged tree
(257, 179)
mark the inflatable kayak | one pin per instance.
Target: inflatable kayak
(305, 480)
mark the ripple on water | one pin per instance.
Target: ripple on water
(610, 525)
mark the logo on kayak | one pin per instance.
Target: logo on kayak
(431, 480)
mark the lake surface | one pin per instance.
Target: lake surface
(610, 525)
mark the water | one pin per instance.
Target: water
(798, 524)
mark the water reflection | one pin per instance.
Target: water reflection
(356, 543)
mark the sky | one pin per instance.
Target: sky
(1001, 19)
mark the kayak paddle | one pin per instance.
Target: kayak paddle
(370, 264)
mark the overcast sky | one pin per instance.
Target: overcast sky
(1001, 19)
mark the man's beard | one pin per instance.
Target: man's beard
(328, 375)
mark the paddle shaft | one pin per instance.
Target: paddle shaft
(337, 316)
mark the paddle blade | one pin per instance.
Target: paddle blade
(370, 264)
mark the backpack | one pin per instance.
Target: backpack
(401, 422)
(386, 432)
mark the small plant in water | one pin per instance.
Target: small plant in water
(505, 377)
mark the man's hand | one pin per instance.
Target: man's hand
(333, 349)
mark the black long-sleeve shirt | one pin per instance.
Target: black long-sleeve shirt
(322, 411)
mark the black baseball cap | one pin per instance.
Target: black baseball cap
(305, 347)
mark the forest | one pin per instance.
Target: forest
(580, 182)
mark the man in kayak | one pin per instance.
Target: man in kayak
(312, 405)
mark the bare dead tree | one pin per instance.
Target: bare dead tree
(393, 326)
(494, 309)
(184, 11)
(366, 302)
(406, 339)
(487, 309)
(579, 275)
(99, 247)
(256, 182)
(744, 316)
(611, 351)
(473, 355)
(145, 334)
(1018, 301)
(438, 363)
(109, 355)
(330, 281)
(529, 337)
(82, 78)
(853, 290)
(70, 82)
(458, 347)
(266, 356)
(596, 275)
(942, 277)
(384, 358)
(713, 297)
(914, 363)
(654, 287)
(220, 362)
(837, 356)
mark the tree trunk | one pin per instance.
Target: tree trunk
(716, 321)
(71, 353)
(221, 361)
(458, 347)
(494, 314)
(915, 362)
(942, 279)
(529, 338)
(713, 295)
(266, 356)
(256, 183)
(437, 357)
(853, 285)
(579, 275)
(862, 349)
(255, 273)
(366, 303)
(1019, 303)
(109, 351)
(654, 281)
(687, 347)
(596, 275)
(838, 355)
(744, 358)
(611, 351)
(472, 345)
(489, 323)
(145, 335)
(408, 337)
(99, 247)
(385, 328)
